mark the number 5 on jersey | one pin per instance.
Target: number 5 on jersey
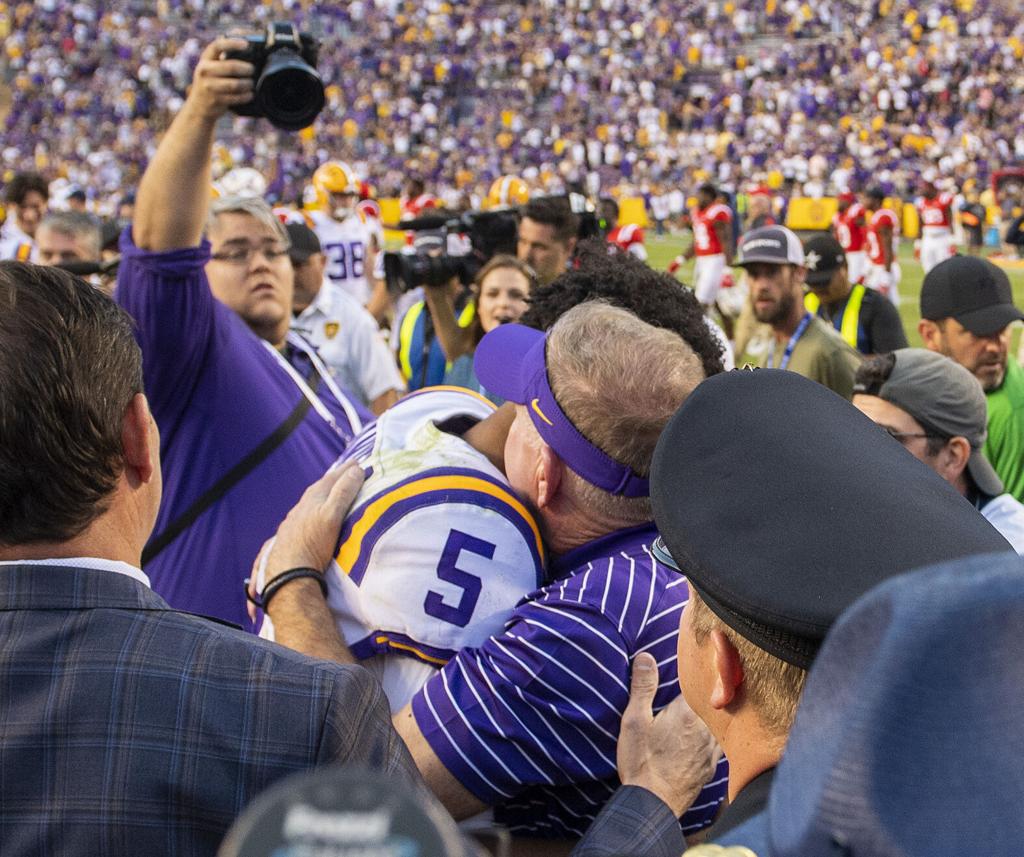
(449, 571)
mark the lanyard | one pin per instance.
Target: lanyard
(325, 375)
(793, 340)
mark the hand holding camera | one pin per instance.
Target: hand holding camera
(220, 83)
(272, 74)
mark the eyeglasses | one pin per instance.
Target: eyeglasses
(904, 436)
(242, 254)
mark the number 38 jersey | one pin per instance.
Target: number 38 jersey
(436, 550)
(346, 246)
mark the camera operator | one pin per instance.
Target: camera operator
(501, 291)
(421, 356)
(247, 417)
(547, 236)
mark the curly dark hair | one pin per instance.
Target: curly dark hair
(606, 273)
(22, 184)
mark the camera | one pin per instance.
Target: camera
(486, 232)
(288, 90)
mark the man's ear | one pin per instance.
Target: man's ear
(728, 675)
(952, 458)
(549, 470)
(931, 334)
(139, 440)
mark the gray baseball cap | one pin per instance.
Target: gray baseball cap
(775, 245)
(946, 399)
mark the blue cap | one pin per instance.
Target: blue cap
(909, 738)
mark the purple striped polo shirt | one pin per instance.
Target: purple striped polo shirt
(529, 721)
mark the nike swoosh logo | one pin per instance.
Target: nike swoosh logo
(539, 412)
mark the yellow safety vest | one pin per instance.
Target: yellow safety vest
(851, 313)
(407, 332)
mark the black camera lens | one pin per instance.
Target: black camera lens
(289, 92)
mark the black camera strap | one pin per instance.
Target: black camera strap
(230, 479)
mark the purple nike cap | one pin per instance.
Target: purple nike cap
(510, 362)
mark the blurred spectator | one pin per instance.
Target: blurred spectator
(861, 316)
(25, 198)
(343, 332)
(972, 218)
(68, 236)
(174, 722)
(547, 236)
(966, 311)
(936, 409)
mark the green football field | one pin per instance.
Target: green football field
(662, 250)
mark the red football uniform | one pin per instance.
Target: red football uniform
(935, 214)
(884, 217)
(415, 207)
(850, 234)
(705, 239)
(629, 238)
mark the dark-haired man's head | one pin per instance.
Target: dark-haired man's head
(25, 196)
(547, 236)
(707, 193)
(624, 281)
(76, 436)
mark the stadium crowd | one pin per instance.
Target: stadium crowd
(597, 94)
(538, 564)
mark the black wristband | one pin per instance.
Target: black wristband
(286, 577)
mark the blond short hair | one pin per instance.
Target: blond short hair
(619, 380)
(772, 686)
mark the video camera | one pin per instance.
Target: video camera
(488, 233)
(288, 90)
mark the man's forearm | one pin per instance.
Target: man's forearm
(303, 622)
(175, 190)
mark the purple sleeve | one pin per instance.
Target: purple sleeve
(539, 704)
(176, 315)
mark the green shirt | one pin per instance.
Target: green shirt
(1004, 447)
(820, 354)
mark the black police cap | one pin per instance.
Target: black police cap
(783, 504)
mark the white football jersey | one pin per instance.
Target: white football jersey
(436, 550)
(346, 245)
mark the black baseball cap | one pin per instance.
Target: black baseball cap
(971, 290)
(304, 242)
(780, 528)
(775, 245)
(823, 255)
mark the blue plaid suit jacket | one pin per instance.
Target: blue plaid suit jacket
(129, 728)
